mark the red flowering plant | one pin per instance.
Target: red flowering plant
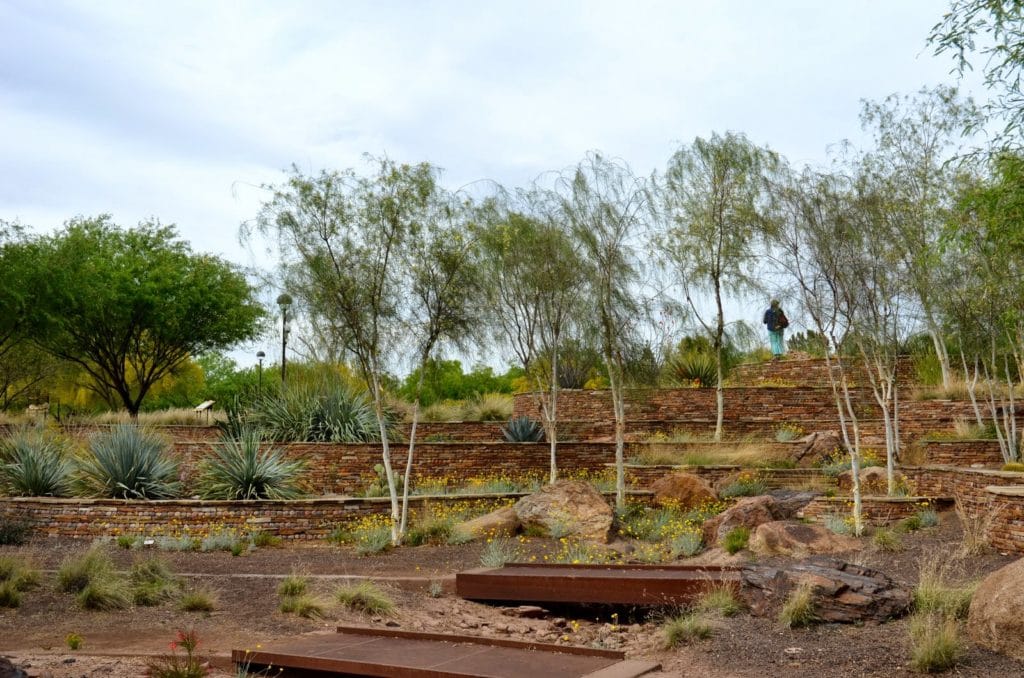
(178, 664)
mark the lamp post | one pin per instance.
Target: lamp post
(260, 355)
(285, 302)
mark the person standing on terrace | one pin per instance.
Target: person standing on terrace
(776, 322)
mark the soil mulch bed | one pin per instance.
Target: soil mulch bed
(247, 614)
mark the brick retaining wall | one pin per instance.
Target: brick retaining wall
(961, 452)
(875, 510)
(294, 520)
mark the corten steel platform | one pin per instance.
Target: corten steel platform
(355, 651)
(599, 584)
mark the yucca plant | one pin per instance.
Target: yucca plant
(240, 469)
(522, 429)
(323, 412)
(692, 368)
(35, 464)
(128, 463)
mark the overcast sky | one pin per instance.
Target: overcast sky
(181, 110)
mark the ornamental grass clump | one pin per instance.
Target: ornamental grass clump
(935, 642)
(16, 577)
(686, 629)
(798, 610)
(245, 468)
(304, 606)
(152, 583)
(365, 597)
(327, 411)
(128, 463)
(35, 463)
(736, 539)
(720, 600)
(200, 598)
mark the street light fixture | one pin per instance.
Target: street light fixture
(285, 302)
(260, 355)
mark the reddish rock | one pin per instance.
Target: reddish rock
(814, 448)
(567, 507)
(788, 538)
(501, 523)
(996, 617)
(684, 490)
(748, 512)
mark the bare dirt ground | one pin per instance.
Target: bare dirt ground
(116, 644)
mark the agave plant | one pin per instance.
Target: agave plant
(35, 464)
(128, 463)
(522, 429)
(692, 368)
(240, 469)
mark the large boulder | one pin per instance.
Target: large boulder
(996, 617)
(9, 670)
(815, 448)
(684, 490)
(501, 523)
(566, 507)
(748, 512)
(789, 502)
(842, 592)
(790, 538)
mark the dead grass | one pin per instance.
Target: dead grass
(713, 454)
(976, 524)
(181, 416)
(798, 610)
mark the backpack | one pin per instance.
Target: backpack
(781, 321)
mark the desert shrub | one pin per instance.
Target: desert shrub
(488, 407)
(788, 432)
(14, 531)
(935, 643)
(720, 600)
(838, 523)
(522, 430)
(378, 487)
(445, 410)
(10, 595)
(934, 593)
(686, 544)
(152, 582)
(324, 411)
(128, 463)
(798, 610)
(909, 524)
(928, 517)
(18, 573)
(198, 599)
(685, 629)
(109, 592)
(885, 539)
(34, 463)
(374, 541)
(240, 469)
(736, 539)
(430, 529)
(691, 368)
(126, 541)
(579, 552)
(76, 571)
(745, 485)
(302, 605)
(293, 585)
(497, 552)
(365, 597)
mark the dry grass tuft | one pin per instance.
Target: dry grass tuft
(798, 610)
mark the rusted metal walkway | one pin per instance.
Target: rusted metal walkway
(601, 584)
(387, 653)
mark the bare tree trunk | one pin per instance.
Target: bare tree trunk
(412, 448)
(939, 342)
(619, 406)
(551, 415)
(378, 406)
(972, 387)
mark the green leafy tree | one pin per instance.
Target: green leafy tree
(606, 206)
(712, 199)
(130, 306)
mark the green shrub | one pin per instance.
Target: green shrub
(129, 463)
(885, 539)
(746, 485)
(198, 599)
(798, 610)
(324, 411)
(935, 642)
(1014, 466)
(108, 592)
(431, 530)
(293, 585)
(687, 544)
(373, 541)
(692, 368)
(522, 429)
(838, 523)
(240, 469)
(152, 583)
(909, 524)
(497, 552)
(365, 597)
(720, 600)
(14, 531)
(928, 517)
(736, 539)
(77, 571)
(302, 605)
(685, 629)
(35, 464)
(126, 541)
(10, 595)
(934, 593)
